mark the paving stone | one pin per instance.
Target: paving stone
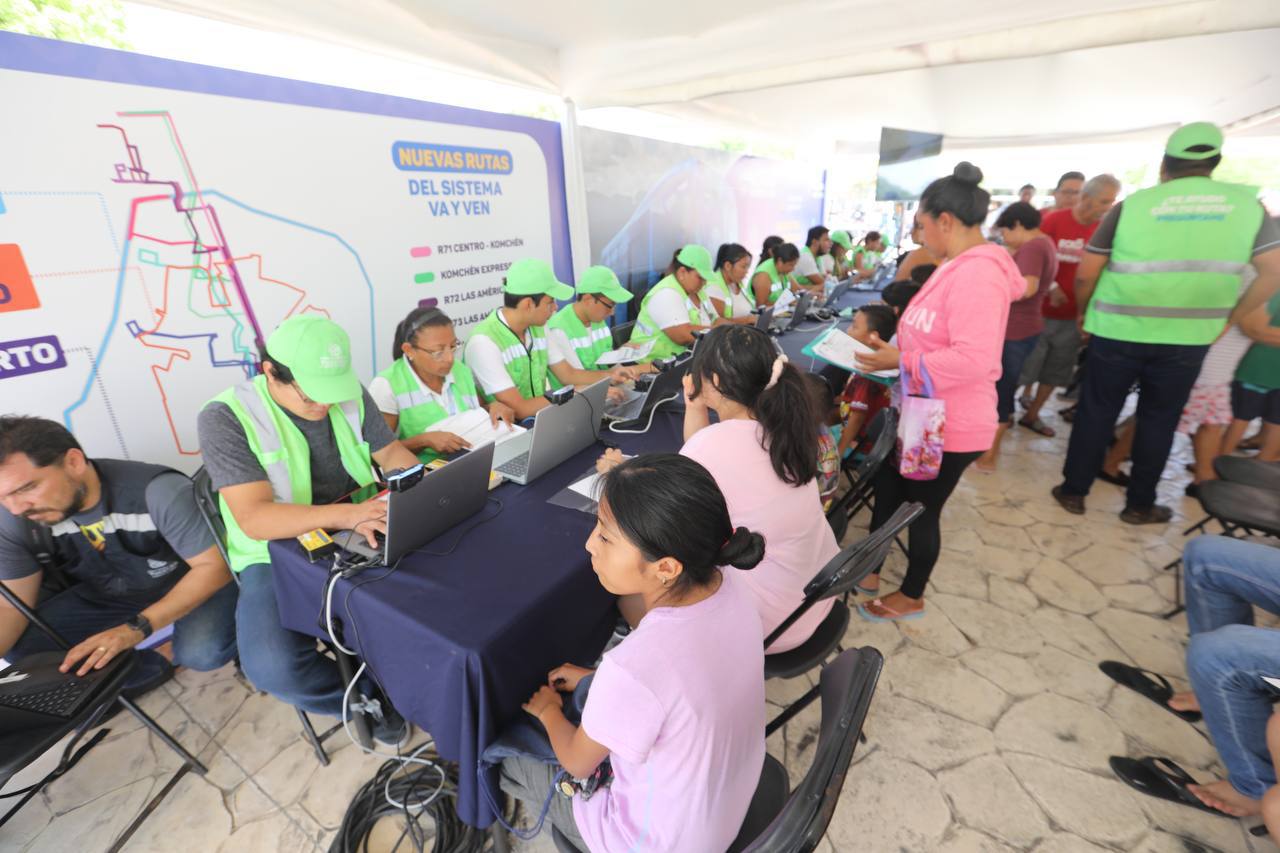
(1007, 563)
(1055, 542)
(934, 632)
(924, 736)
(1011, 596)
(959, 515)
(1076, 634)
(1006, 538)
(1139, 597)
(213, 703)
(1157, 732)
(98, 822)
(965, 541)
(1094, 807)
(878, 635)
(1067, 844)
(29, 822)
(1209, 831)
(937, 682)
(223, 770)
(329, 793)
(1058, 584)
(956, 574)
(185, 730)
(171, 827)
(889, 804)
(1151, 643)
(968, 841)
(987, 625)
(1062, 730)
(986, 796)
(276, 833)
(261, 729)
(1159, 553)
(1073, 677)
(109, 765)
(1014, 675)
(249, 803)
(1109, 564)
(1047, 511)
(1006, 513)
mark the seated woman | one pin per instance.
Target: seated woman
(673, 309)
(428, 383)
(866, 257)
(678, 706)
(763, 454)
(725, 287)
(773, 275)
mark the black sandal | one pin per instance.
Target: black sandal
(1152, 685)
(1160, 778)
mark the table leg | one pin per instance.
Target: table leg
(359, 719)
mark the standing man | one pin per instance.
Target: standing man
(1053, 360)
(131, 537)
(809, 274)
(1166, 265)
(1026, 193)
(1067, 192)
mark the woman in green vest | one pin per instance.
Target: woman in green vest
(672, 310)
(577, 334)
(773, 275)
(841, 246)
(867, 256)
(725, 289)
(428, 383)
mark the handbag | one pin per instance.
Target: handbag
(921, 428)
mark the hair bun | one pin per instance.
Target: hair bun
(742, 550)
(967, 173)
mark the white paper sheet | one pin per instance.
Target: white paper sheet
(840, 349)
(586, 486)
(627, 353)
(473, 425)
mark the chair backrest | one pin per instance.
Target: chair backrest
(622, 333)
(884, 426)
(851, 565)
(847, 685)
(207, 503)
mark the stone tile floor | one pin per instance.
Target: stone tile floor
(990, 730)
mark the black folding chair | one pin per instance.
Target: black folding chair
(622, 333)
(836, 579)
(884, 426)
(207, 502)
(1248, 472)
(19, 749)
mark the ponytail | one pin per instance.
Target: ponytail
(674, 265)
(748, 369)
(729, 254)
(770, 243)
(416, 319)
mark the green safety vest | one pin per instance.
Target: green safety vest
(526, 367)
(776, 283)
(418, 409)
(1176, 261)
(716, 287)
(872, 258)
(1260, 366)
(589, 344)
(282, 451)
(646, 329)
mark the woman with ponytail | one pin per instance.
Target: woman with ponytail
(952, 332)
(773, 274)
(725, 288)
(427, 383)
(678, 706)
(764, 456)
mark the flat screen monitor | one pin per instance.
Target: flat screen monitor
(909, 160)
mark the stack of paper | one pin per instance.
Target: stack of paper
(474, 426)
(838, 348)
(629, 353)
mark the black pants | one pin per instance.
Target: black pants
(924, 539)
(1165, 374)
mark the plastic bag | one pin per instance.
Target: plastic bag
(921, 429)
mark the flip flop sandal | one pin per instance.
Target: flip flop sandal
(1152, 685)
(1038, 426)
(1160, 778)
(862, 589)
(892, 615)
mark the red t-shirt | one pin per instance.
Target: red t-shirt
(865, 395)
(1038, 258)
(1070, 236)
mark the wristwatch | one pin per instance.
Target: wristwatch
(141, 624)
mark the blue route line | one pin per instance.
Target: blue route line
(124, 267)
(136, 331)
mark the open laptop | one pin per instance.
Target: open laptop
(438, 501)
(764, 319)
(841, 288)
(558, 432)
(666, 386)
(799, 312)
(33, 694)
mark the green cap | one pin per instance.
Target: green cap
(603, 281)
(318, 353)
(1198, 134)
(531, 277)
(697, 258)
(842, 238)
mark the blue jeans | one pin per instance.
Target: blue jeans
(204, 639)
(1228, 656)
(1013, 356)
(1165, 374)
(284, 663)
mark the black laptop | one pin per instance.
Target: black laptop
(34, 694)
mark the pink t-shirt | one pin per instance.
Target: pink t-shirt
(680, 705)
(955, 327)
(797, 539)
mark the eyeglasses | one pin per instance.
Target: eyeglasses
(439, 354)
(607, 303)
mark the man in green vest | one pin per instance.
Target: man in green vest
(290, 451)
(507, 351)
(577, 334)
(1159, 282)
(810, 273)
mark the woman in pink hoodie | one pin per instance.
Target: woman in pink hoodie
(953, 331)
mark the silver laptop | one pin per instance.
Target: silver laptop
(441, 499)
(798, 314)
(666, 387)
(558, 432)
(841, 288)
(764, 319)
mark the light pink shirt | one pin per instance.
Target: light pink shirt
(680, 705)
(797, 539)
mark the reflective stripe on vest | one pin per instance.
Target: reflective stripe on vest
(646, 328)
(526, 369)
(418, 408)
(130, 522)
(776, 283)
(1139, 267)
(1155, 311)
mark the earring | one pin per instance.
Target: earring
(666, 581)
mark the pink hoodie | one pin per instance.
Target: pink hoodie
(955, 326)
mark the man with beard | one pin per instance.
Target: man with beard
(131, 540)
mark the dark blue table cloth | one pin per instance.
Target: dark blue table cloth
(460, 641)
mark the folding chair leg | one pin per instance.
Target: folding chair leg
(795, 708)
(1178, 606)
(1198, 526)
(309, 732)
(156, 730)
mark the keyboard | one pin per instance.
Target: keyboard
(517, 467)
(60, 700)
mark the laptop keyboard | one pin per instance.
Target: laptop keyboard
(61, 700)
(517, 467)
